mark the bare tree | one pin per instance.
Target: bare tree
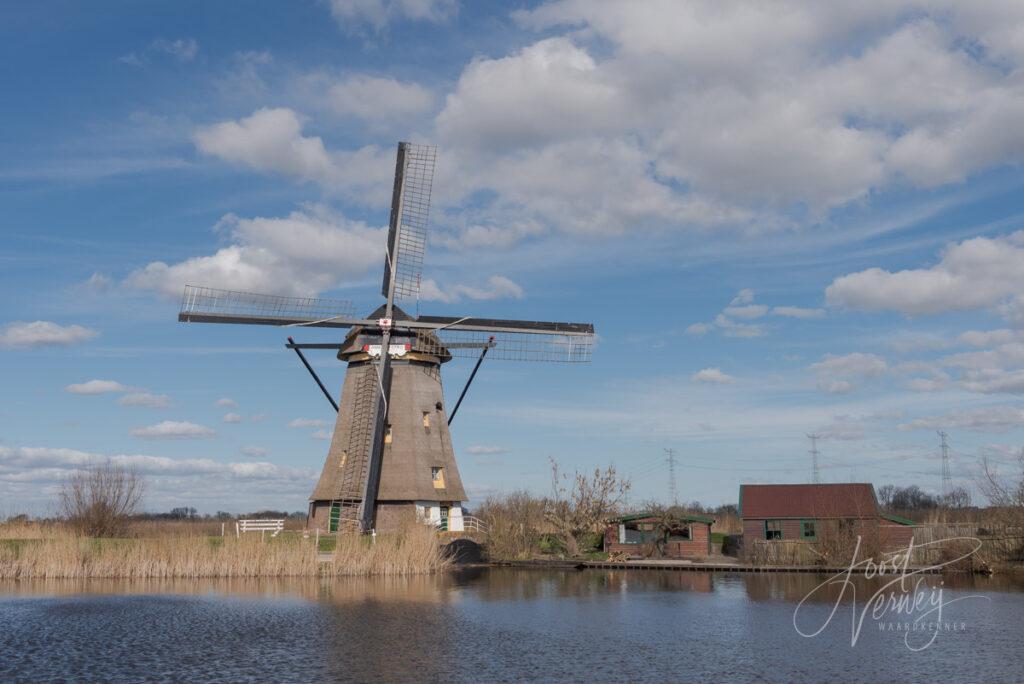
(581, 506)
(99, 500)
(1005, 493)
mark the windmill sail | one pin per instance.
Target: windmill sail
(410, 209)
(211, 305)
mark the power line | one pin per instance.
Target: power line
(947, 479)
(815, 475)
(673, 494)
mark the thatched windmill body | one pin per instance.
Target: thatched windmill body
(391, 454)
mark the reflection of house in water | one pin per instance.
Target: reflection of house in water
(821, 516)
(669, 536)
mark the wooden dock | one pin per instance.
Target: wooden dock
(686, 566)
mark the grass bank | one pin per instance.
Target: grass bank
(54, 552)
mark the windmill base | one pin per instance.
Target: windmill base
(391, 516)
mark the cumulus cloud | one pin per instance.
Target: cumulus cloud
(497, 287)
(841, 374)
(171, 429)
(302, 255)
(146, 399)
(379, 101)
(351, 15)
(272, 140)
(226, 402)
(253, 451)
(713, 376)
(321, 434)
(990, 419)
(21, 334)
(232, 418)
(97, 387)
(307, 423)
(977, 273)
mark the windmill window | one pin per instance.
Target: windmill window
(426, 419)
(387, 435)
(773, 529)
(437, 476)
(344, 457)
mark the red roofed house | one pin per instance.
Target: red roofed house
(814, 512)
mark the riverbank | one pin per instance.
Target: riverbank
(688, 566)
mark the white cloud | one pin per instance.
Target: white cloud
(231, 418)
(43, 334)
(183, 50)
(307, 423)
(146, 399)
(253, 451)
(225, 402)
(991, 419)
(747, 311)
(379, 101)
(171, 429)
(302, 255)
(268, 140)
(351, 14)
(977, 273)
(733, 329)
(713, 376)
(797, 312)
(28, 473)
(97, 387)
(699, 328)
(840, 374)
(321, 434)
(497, 287)
(743, 297)
(484, 450)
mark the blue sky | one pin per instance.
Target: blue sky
(781, 221)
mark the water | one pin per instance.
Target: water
(494, 625)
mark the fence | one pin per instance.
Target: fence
(261, 526)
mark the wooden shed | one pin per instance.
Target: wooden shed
(817, 513)
(674, 536)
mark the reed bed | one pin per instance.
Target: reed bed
(64, 555)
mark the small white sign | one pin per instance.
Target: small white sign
(393, 349)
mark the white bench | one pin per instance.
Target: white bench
(261, 526)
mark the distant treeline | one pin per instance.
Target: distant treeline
(189, 513)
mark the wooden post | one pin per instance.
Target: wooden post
(222, 529)
(237, 533)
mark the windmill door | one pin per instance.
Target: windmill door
(444, 519)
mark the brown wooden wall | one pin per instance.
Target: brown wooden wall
(694, 548)
(893, 536)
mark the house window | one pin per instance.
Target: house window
(808, 530)
(684, 533)
(637, 533)
(437, 476)
(773, 529)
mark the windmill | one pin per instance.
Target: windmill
(391, 453)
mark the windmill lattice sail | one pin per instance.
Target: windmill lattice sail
(407, 239)
(208, 304)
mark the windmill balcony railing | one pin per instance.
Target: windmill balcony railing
(470, 523)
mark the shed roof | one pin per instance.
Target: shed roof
(840, 500)
(689, 517)
(897, 519)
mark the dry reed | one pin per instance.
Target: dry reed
(61, 554)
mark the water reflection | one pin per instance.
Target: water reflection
(480, 625)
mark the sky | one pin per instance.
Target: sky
(782, 218)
